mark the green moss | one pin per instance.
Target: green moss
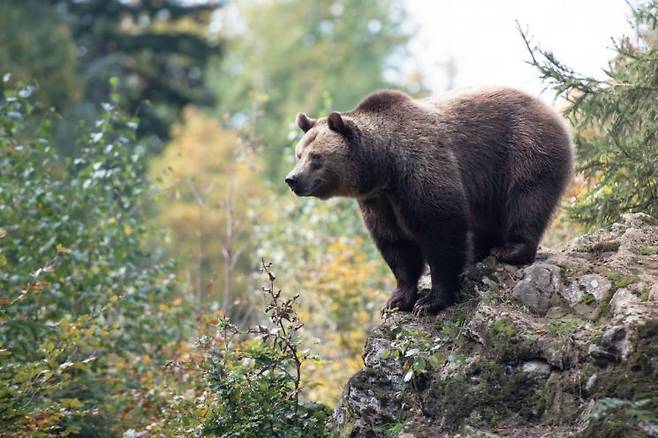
(563, 327)
(505, 344)
(595, 336)
(588, 298)
(503, 327)
(612, 418)
(452, 328)
(634, 383)
(643, 294)
(488, 393)
(395, 429)
(620, 280)
(649, 250)
(602, 309)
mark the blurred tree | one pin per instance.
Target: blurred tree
(86, 312)
(212, 179)
(348, 289)
(322, 251)
(158, 48)
(615, 122)
(38, 47)
(284, 56)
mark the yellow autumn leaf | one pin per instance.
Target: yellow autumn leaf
(73, 403)
(127, 229)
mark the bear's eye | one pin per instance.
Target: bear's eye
(315, 156)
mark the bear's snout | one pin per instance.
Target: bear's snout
(292, 181)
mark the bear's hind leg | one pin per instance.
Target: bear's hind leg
(482, 244)
(528, 213)
(516, 253)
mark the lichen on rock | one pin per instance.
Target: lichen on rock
(567, 346)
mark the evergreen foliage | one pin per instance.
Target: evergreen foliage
(158, 48)
(615, 123)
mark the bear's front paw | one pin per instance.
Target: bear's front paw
(430, 304)
(403, 300)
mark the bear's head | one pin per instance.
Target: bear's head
(326, 165)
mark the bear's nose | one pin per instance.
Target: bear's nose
(291, 180)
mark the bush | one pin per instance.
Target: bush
(615, 123)
(86, 310)
(250, 382)
(92, 327)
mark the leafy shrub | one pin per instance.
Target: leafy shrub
(247, 382)
(85, 309)
(91, 326)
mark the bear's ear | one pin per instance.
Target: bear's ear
(304, 122)
(336, 123)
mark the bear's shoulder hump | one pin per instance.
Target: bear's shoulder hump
(382, 100)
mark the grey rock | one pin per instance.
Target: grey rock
(586, 293)
(638, 219)
(651, 429)
(537, 369)
(541, 281)
(615, 339)
(591, 382)
(602, 355)
(613, 335)
(626, 307)
(425, 283)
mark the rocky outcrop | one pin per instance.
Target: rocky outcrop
(567, 346)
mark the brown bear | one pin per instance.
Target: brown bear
(477, 172)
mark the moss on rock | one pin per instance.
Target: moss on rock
(488, 393)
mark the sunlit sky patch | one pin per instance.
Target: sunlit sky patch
(481, 40)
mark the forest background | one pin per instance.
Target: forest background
(143, 147)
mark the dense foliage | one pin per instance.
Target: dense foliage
(75, 279)
(256, 383)
(71, 48)
(38, 47)
(92, 335)
(615, 123)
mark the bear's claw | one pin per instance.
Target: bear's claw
(401, 300)
(429, 305)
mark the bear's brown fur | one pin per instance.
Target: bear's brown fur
(488, 164)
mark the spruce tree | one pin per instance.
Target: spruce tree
(615, 122)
